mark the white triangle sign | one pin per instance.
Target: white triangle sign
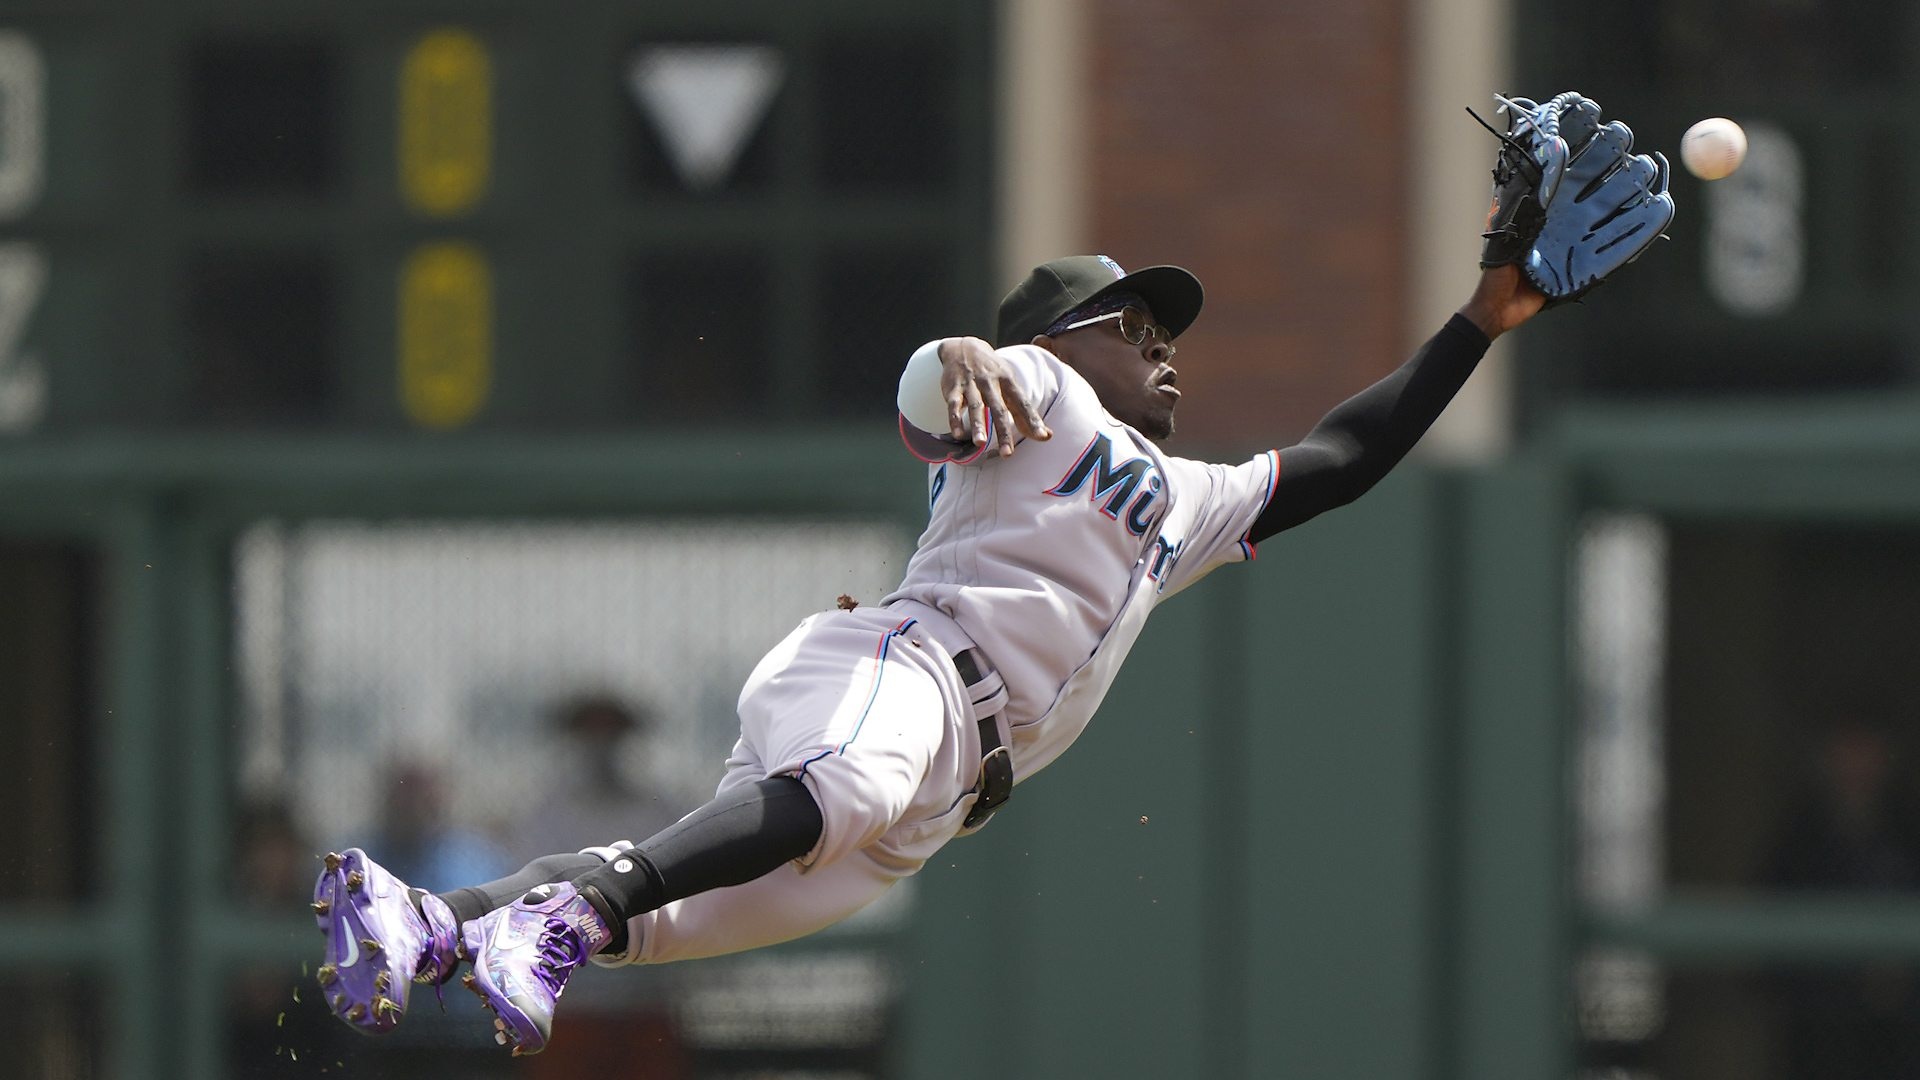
(706, 101)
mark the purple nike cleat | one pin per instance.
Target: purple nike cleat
(522, 956)
(378, 942)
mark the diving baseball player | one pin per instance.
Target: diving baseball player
(871, 737)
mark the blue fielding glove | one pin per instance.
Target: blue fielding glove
(1572, 203)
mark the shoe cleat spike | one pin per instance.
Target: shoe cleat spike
(467, 980)
(500, 1037)
(321, 907)
(517, 1051)
(339, 1002)
(384, 1005)
(356, 879)
(327, 974)
(333, 861)
(381, 982)
(499, 1024)
(370, 945)
(357, 1013)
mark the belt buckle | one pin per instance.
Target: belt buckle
(995, 786)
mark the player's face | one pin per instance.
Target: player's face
(1135, 382)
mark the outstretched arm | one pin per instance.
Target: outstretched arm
(1364, 437)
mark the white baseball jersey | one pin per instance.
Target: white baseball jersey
(1048, 562)
(1051, 559)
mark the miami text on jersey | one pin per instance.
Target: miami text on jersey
(1113, 485)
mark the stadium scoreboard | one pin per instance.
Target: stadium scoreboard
(382, 215)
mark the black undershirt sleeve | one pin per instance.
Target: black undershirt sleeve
(1364, 437)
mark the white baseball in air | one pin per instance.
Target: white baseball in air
(1713, 148)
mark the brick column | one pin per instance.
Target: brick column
(1264, 146)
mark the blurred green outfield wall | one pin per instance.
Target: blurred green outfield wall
(1320, 828)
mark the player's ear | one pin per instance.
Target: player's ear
(1044, 342)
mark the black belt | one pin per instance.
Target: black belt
(995, 785)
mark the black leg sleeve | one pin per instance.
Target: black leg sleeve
(734, 839)
(471, 903)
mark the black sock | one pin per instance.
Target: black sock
(742, 835)
(471, 903)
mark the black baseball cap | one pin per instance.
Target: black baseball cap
(1060, 286)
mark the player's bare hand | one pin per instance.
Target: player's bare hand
(982, 396)
(1503, 300)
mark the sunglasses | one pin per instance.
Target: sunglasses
(1134, 326)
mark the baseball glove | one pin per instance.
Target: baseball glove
(1572, 203)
